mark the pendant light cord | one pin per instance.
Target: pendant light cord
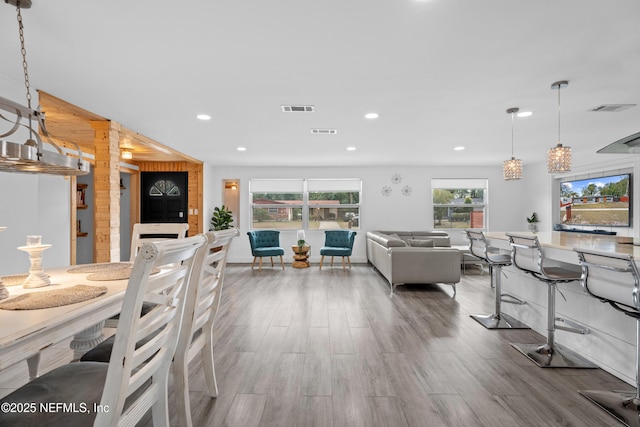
(559, 87)
(25, 69)
(512, 152)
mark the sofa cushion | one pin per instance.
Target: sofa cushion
(421, 243)
(401, 241)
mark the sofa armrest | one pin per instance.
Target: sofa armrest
(385, 240)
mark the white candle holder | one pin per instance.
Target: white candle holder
(37, 278)
(4, 293)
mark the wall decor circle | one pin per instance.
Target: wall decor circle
(406, 190)
(396, 178)
(386, 191)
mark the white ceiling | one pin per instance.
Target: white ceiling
(441, 73)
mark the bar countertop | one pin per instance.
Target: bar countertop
(568, 241)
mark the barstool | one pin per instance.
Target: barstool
(479, 247)
(614, 278)
(527, 255)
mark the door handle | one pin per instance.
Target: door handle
(180, 214)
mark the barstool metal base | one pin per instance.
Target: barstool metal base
(556, 357)
(501, 321)
(624, 406)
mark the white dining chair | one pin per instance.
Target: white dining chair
(155, 232)
(196, 335)
(196, 332)
(145, 233)
(135, 381)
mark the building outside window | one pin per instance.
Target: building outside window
(305, 203)
(459, 203)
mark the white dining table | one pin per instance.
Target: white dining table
(25, 333)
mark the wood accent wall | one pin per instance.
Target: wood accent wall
(104, 138)
(197, 224)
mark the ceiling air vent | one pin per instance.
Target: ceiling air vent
(324, 131)
(612, 107)
(297, 108)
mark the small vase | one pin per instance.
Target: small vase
(532, 227)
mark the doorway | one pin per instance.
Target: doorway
(164, 197)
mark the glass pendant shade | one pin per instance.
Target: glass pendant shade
(512, 169)
(559, 159)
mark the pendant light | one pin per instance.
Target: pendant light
(30, 156)
(512, 169)
(559, 157)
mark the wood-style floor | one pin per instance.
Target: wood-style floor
(304, 347)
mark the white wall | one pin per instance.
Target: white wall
(39, 204)
(395, 212)
(33, 204)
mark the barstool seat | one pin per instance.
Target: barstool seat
(479, 247)
(614, 279)
(527, 255)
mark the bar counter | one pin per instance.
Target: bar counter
(570, 240)
(611, 343)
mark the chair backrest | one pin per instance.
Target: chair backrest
(526, 253)
(610, 277)
(205, 289)
(155, 232)
(339, 238)
(160, 276)
(264, 238)
(477, 243)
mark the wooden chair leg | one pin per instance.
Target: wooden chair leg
(271, 260)
(349, 259)
(260, 263)
(343, 267)
(331, 260)
(253, 263)
(281, 262)
(321, 261)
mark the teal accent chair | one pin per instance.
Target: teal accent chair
(338, 243)
(265, 243)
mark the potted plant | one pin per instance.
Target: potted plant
(301, 242)
(221, 219)
(532, 220)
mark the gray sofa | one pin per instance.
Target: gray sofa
(414, 257)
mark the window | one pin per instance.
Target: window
(333, 203)
(305, 204)
(164, 188)
(459, 203)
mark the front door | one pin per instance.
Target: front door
(164, 197)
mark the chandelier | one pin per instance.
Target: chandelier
(512, 168)
(559, 157)
(31, 157)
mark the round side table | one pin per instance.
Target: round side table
(300, 256)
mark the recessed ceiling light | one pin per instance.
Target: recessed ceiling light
(351, 148)
(524, 114)
(241, 148)
(203, 117)
(458, 148)
(371, 116)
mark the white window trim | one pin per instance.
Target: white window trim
(304, 186)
